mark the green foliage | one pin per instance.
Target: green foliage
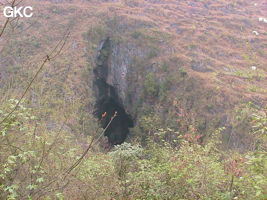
(30, 159)
(151, 86)
(257, 165)
(124, 155)
(260, 129)
(170, 166)
(255, 88)
(251, 75)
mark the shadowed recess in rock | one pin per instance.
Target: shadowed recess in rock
(107, 99)
(119, 127)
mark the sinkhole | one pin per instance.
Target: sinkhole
(118, 129)
(107, 103)
(106, 106)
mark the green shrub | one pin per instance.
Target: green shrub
(151, 86)
(172, 165)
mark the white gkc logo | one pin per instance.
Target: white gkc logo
(18, 11)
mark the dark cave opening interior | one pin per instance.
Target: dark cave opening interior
(108, 101)
(106, 106)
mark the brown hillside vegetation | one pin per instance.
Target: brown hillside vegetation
(188, 82)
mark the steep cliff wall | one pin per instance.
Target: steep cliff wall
(113, 68)
(139, 73)
(110, 86)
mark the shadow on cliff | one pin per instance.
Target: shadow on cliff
(119, 128)
(108, 101)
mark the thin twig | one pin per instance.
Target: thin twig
(231, 184)
(4, 27)
(46, 59)
(14, 147)
(45, 154)
(7, 20)
(67, 172)
(89, 147)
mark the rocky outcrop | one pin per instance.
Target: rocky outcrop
(111, 86)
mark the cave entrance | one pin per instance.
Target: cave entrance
(108, 101)
(118, 130)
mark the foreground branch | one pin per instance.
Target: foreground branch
(54, 53)
(72, 167)
(89, 147)
(7, 20)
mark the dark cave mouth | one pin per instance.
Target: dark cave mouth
(108, 100)
(118, 130)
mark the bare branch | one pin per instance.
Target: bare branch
(7, 20)
(68, 171)
(45, 154)
(4, 27)
(93, 141)
(55, 52)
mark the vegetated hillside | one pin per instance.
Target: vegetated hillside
(199, 53)
(180, 70)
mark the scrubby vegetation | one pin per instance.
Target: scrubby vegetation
(196, 90)
(173, 165)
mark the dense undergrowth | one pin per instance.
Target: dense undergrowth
(34, 162)
(45, 136)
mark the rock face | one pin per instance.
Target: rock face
(110, 86)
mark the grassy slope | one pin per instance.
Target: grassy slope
(216, 34)
(223, 40)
